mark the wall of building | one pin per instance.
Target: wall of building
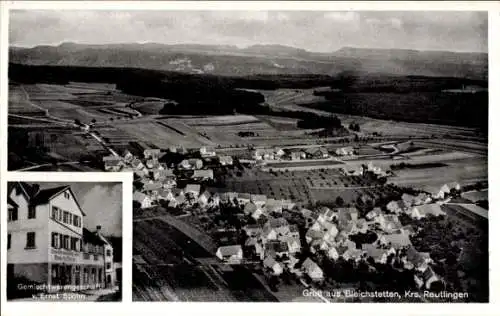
(19, 229)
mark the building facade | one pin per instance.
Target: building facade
(48, 245)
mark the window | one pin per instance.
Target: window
(66, 195)
(75, 220)
(61, 241)
(31, 212)
(55, 213)
(12, 214)
(55, 240)
(66, 242)
(96, 257)
(108, 252)
(30, 240)
(65, 217)
(108, 265)
(9, 238)
(74, 243)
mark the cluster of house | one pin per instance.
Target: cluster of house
(329, 231)
(361, 169)
(159, 183)
(263, 154)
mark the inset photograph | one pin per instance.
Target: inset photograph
(64, 241)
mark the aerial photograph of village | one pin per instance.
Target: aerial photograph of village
(278, 156)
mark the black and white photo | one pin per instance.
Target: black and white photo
(278, 155)
(64, 241)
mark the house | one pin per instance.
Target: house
(426, 278)
(253, 245)
(263, 154)
(408, 230)
(396, 207)
(279, 224)
(297, 155)
(333, 253)
(152, 187)
(178, 201)
(258, 199)
(258, 213)
(243, 198)
(445, 189)
(345, 151)
(193, 163)
(137, 164)
(414, 260)
(397, 241)
(318, 244)
(313, 234)
(153, 164)
(127, 156)
(376, 170)
(278, 152)
(226, 160)
(168, 183)
(276, 249)
(327, 214)
(273, 265)
(152, 153)
(204, 198)
(161, 174)
(207, 152)
(376, 212)
(112, 163)
(269, 233)
(274, 206)
(408, 199)
(361, 226)
(249, 208)
(352, 253)
(293, 244)
(193, 189)
(229, 197)
(347, 214)
(389, 222)
(230, 254)
(252, 230)
(326, 228)
(203, 174)
(317, 153)
(312, 270)
(294, 231)
(377, 254)
(166, 195)
(144, 200)
(425, 210)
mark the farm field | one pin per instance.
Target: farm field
(169, 269)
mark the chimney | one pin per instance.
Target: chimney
(98, 229)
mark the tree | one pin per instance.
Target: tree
(339, 201)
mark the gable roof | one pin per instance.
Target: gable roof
(45, 195)
(229, 250)
(397, 240)
(91, 238)
(432, 209)
(310, 265)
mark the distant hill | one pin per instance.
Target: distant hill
(256, 59)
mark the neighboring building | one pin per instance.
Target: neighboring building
(47, 242)
(230, 254)
(112, 163)
(152, 153)
(312, 270)
(144, 200)
(345, 151)
(226, 160)
(396, 207)
(207, 152)
(109, 267)
(258, 199)
(273, 265)
(193, 189)
(425, 210)
(203, 174)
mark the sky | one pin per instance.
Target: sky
(101, 202)
(320, 31)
